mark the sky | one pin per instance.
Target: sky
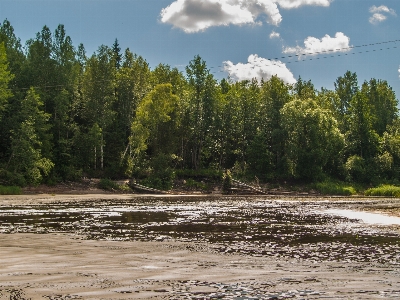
(318, 40)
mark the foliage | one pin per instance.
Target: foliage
(162, 175)
(108, 185)
(313, 138)
(5, 78)
(384, 190)
(27, 141)
(227, 182)
(10, 190)
(11, 178)
(112, 116)
(329, 187)
(201, 173)
(195, 184)
(361, 138)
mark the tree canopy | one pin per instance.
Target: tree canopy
(64, 115)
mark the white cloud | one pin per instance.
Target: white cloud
(377, 18)
(274, 35)
(198, 15)
(258, 67)
(379, 13)
(314, 46)
(381, 9)
(399, 71)
(288, 4)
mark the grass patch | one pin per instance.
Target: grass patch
(384, 190)
(10, 190)
(108, 185)
(190, 183)
(335, 188)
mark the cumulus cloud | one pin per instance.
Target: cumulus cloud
(258, 67)
(274, 35)
(288, 4)
(314, 46)
(377, 18)
(382, 8)
(380, 13)
(198, 15)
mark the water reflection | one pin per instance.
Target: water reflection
(230, 225)
(366, 217)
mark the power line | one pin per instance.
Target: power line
(273, 63)
(336, 50)
(310, 59)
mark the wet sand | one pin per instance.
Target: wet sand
(65, 266)
(58, 266)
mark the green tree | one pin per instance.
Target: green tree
(274, 94)
(132, 84)
(361, 138)
(383, 103)
(28, 139)
(11, 94)
(154, 127)
(241, 122)
(15, 54)
(98, 92)
(5, 78)
(346, 87)
(391, 145)
(304, 89)
(362, 141)
(154, 135)
(313, 138)
(201, 107)
(117, 54)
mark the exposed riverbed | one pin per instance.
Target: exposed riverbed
(259, 240)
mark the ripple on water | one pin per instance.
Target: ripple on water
(248, 226)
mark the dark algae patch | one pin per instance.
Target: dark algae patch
(249, 226)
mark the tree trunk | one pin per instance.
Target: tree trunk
(95, 157)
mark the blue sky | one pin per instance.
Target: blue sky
(239, 38)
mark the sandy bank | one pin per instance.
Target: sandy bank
(60, 266)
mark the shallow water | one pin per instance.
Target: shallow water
(366, 217)
(250, 226)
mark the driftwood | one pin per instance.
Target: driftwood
(144, 189)
(243, 187)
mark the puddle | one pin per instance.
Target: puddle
(248, 226)
(365, 217)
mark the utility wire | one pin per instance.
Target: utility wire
(272, 63)
(321, 52)
(268, 59)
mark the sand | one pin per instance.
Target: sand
(65, 266)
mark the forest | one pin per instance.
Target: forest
(65, 115)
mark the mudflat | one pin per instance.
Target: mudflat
(69, 266)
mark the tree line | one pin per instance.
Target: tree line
(64, 115)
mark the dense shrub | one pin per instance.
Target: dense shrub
(335, 188)
(191, 183)
(384, 190)
(108, 185)
(11, 178)
(227, 182)
(10, 190)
